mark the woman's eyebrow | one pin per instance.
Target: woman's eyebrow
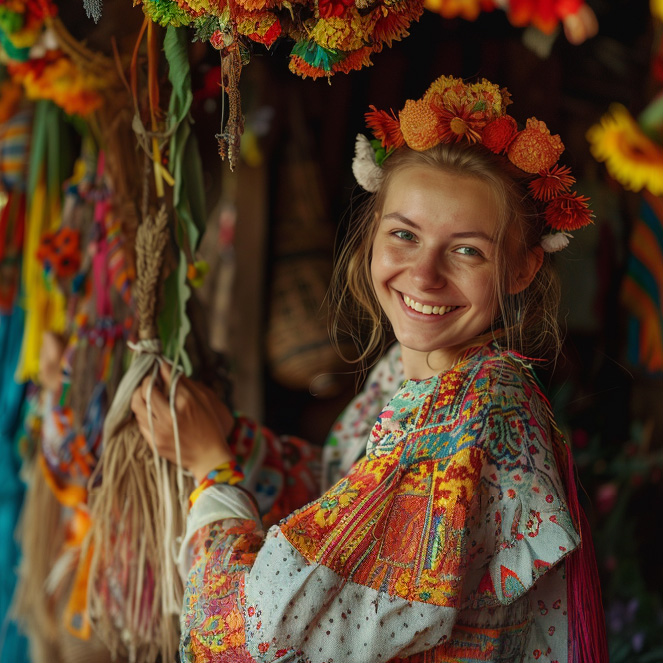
(397, 216)
(474, 234)
(470, 234)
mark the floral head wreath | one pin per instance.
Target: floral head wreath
(452, 111)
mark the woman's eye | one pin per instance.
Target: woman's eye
(405, 234)
(467, 251)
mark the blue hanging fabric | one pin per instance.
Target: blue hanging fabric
(13, 645)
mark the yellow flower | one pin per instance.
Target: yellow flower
(634, 160)
(341, 32)
(656, 7)
(331, 504)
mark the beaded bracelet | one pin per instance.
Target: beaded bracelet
(229, 473)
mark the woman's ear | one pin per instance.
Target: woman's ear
(523, 277)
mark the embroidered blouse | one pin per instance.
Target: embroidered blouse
(445, 542)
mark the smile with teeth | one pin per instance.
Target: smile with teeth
(427, 309)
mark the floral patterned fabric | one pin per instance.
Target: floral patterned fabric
(444, 543)
(346, 442)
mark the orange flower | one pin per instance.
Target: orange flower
(393, 24)
(457, 121)
(534, 149)
(253, 5)
(498, 134)
(329, 8)
(551, 183)
(354, 60)
(568, 212)
(299, 66)
(10, 96)
(262, 27)
(419, 125)
(543, 15)
(467, 9)
(385, 128)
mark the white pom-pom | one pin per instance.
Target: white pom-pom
(367, 173)
(555, 242)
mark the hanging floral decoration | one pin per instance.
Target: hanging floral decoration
(545, 16)
(630, 155)
(21, 25)
(56, 77)
(452, 111)
(36, 63)
(329, 35)
(576, 17)
(467, 9)
(60, 252)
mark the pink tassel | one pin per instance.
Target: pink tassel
(587, 637)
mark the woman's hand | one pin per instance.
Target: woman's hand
(203, 422)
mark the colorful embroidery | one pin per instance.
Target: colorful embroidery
(435, 542)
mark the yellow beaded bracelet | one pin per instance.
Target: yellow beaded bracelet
(229, 473)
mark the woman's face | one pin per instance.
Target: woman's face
(433, 264)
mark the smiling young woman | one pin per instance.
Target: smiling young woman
(455, 534)
(433, 265)
(466, 184)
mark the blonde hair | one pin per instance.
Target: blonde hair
(526, 322)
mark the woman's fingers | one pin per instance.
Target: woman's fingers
(150, 389)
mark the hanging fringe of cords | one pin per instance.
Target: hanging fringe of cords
(139, 509)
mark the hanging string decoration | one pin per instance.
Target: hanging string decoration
(138, 502)
(78, 372)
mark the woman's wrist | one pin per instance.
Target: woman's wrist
(229, 473)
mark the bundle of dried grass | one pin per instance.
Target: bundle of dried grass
(40, 535)
(138, 501)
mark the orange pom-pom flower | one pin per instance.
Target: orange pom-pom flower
(419, 125)
(534, 149)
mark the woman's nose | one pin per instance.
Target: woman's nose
(427, 271)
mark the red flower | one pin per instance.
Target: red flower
(269, 36)
(217, 40)
(386, 128)
(46, 247)
(551, 183)
(568, 212)
(498, 134)
(329, 8)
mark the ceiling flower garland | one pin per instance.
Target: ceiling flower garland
(329, 36)
(575, 16)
